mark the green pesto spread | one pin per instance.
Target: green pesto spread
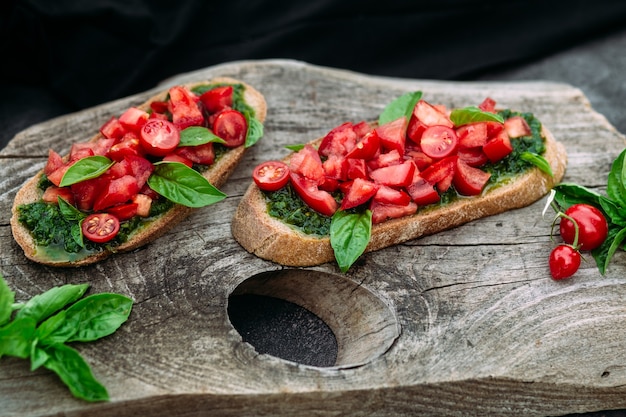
(287, 206)
(60, 239)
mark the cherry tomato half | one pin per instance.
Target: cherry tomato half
(564, 262)
(592, 226)
(100, 227)
(231, 126)
(159, 137)
(439, 141)
(271, 175)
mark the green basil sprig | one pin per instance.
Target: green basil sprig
(255, 130)
(198, 135)
(182, 185)
(538, 161)
(613, 205)
(85, 169)
(473, 114)
(44, 324)
(349, 235)
(401, 106)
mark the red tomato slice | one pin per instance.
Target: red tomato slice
(159, 137)
(359, 193)
(356, 168)
(469, 180)
(336, 167)
(395, 175)
(118, 190)
(430, 115)
(218, 98)
(271, 175)
(133, 119)
(392, 135)
(123, 211)
(366, 148)
(441, 173)
(140, 168)
(389, 195)
(385, 160)
(100, 227)
(319, 200)
(86, 192)
(498, 147)
(382, 212)
(439, 141)
(339, 141)
(415, 129)
(422, 192)
(231, 126)
(184, 108)
(201, 154)
(52, 194)
(307, 162)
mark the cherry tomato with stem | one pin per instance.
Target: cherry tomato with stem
(564, 261)
(592, 226)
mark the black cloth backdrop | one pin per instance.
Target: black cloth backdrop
(62, 55)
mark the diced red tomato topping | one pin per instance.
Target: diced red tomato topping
(392, 135)
(218, 98)
(133, 119)
(307, 162)
(395, 175)
(200, 154)
(339, 141)
(469, 180)
(488, 105)
(174, 157)
(112, 128)
(472, 135)
(183, 105)
(498, 147)
(430, 115)
(231, 126)
(382, 212)
(159, 137)
(52, 194)
(360, 192)
(128, 145)
(422, 192)
(116, 191)
(366, 148)
(516, 127)
(123, 211)
(319, 200)
(389, 195)
(441, 173)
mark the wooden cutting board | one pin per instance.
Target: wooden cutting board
(466, 322)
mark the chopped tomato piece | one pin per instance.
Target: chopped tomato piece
(102, 145)
(336, 167)
(430, 115)
(389, 195)
(359, 193)
(158, 106)
(339, 141)
(81, 150)
(128, 145)
(474, 157)
(307, 162)
(356, 168)
(271, 175)
(469, 180)
(140, 168)
(100, 227)
(112, 128)
(56, 176)
(366, 148)
(498, 147)
(385, 160)
(231, 126)
(441, 173)
(218, 98)
(415, 129)
(382, 212)
(319, 200)
(202, 154)
(116, 191)
(55, 161)
(144, 202)
(174, 157)
(422, 160)
(392, 135)
(123, 211)
(184, 108)
(439, 141)
(488, 105)
(133, 119)
(472, 135)
(329, 184)
(86, 192)
(422, 192)
(516, 127)
(159, 137)
(396, 175)
(53, 192)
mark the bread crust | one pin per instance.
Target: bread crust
(271, 239)
(217, 174)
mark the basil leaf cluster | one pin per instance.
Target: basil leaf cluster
(40, 329)
(613, 206)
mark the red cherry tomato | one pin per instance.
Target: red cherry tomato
(271, 175)
(439, 141)
(159, 137)
(100, 227)
(231, 126)
(592, 226)
(564, 262)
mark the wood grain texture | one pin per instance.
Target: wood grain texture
(471, 322)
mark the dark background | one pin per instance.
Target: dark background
(60, 56)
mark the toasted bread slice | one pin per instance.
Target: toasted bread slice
(271, 239)
(217, 174)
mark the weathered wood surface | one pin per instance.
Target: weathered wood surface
(466, 322)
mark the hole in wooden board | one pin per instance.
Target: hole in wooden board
(364, 327)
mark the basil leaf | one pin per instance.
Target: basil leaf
(473, 114)
(613, 211)
(255, 130)
(568, 194)
(295, 148)
(603, 254)
(7, 298)
(537, 160)
(93, 317)
(44, 305)
(349, 235)
(182, 185)
(85, 169)
(615, 185)
(197, 135)
(38, 357)
(75, 373)
(17, 336)
(401, 106)
(69, 212)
